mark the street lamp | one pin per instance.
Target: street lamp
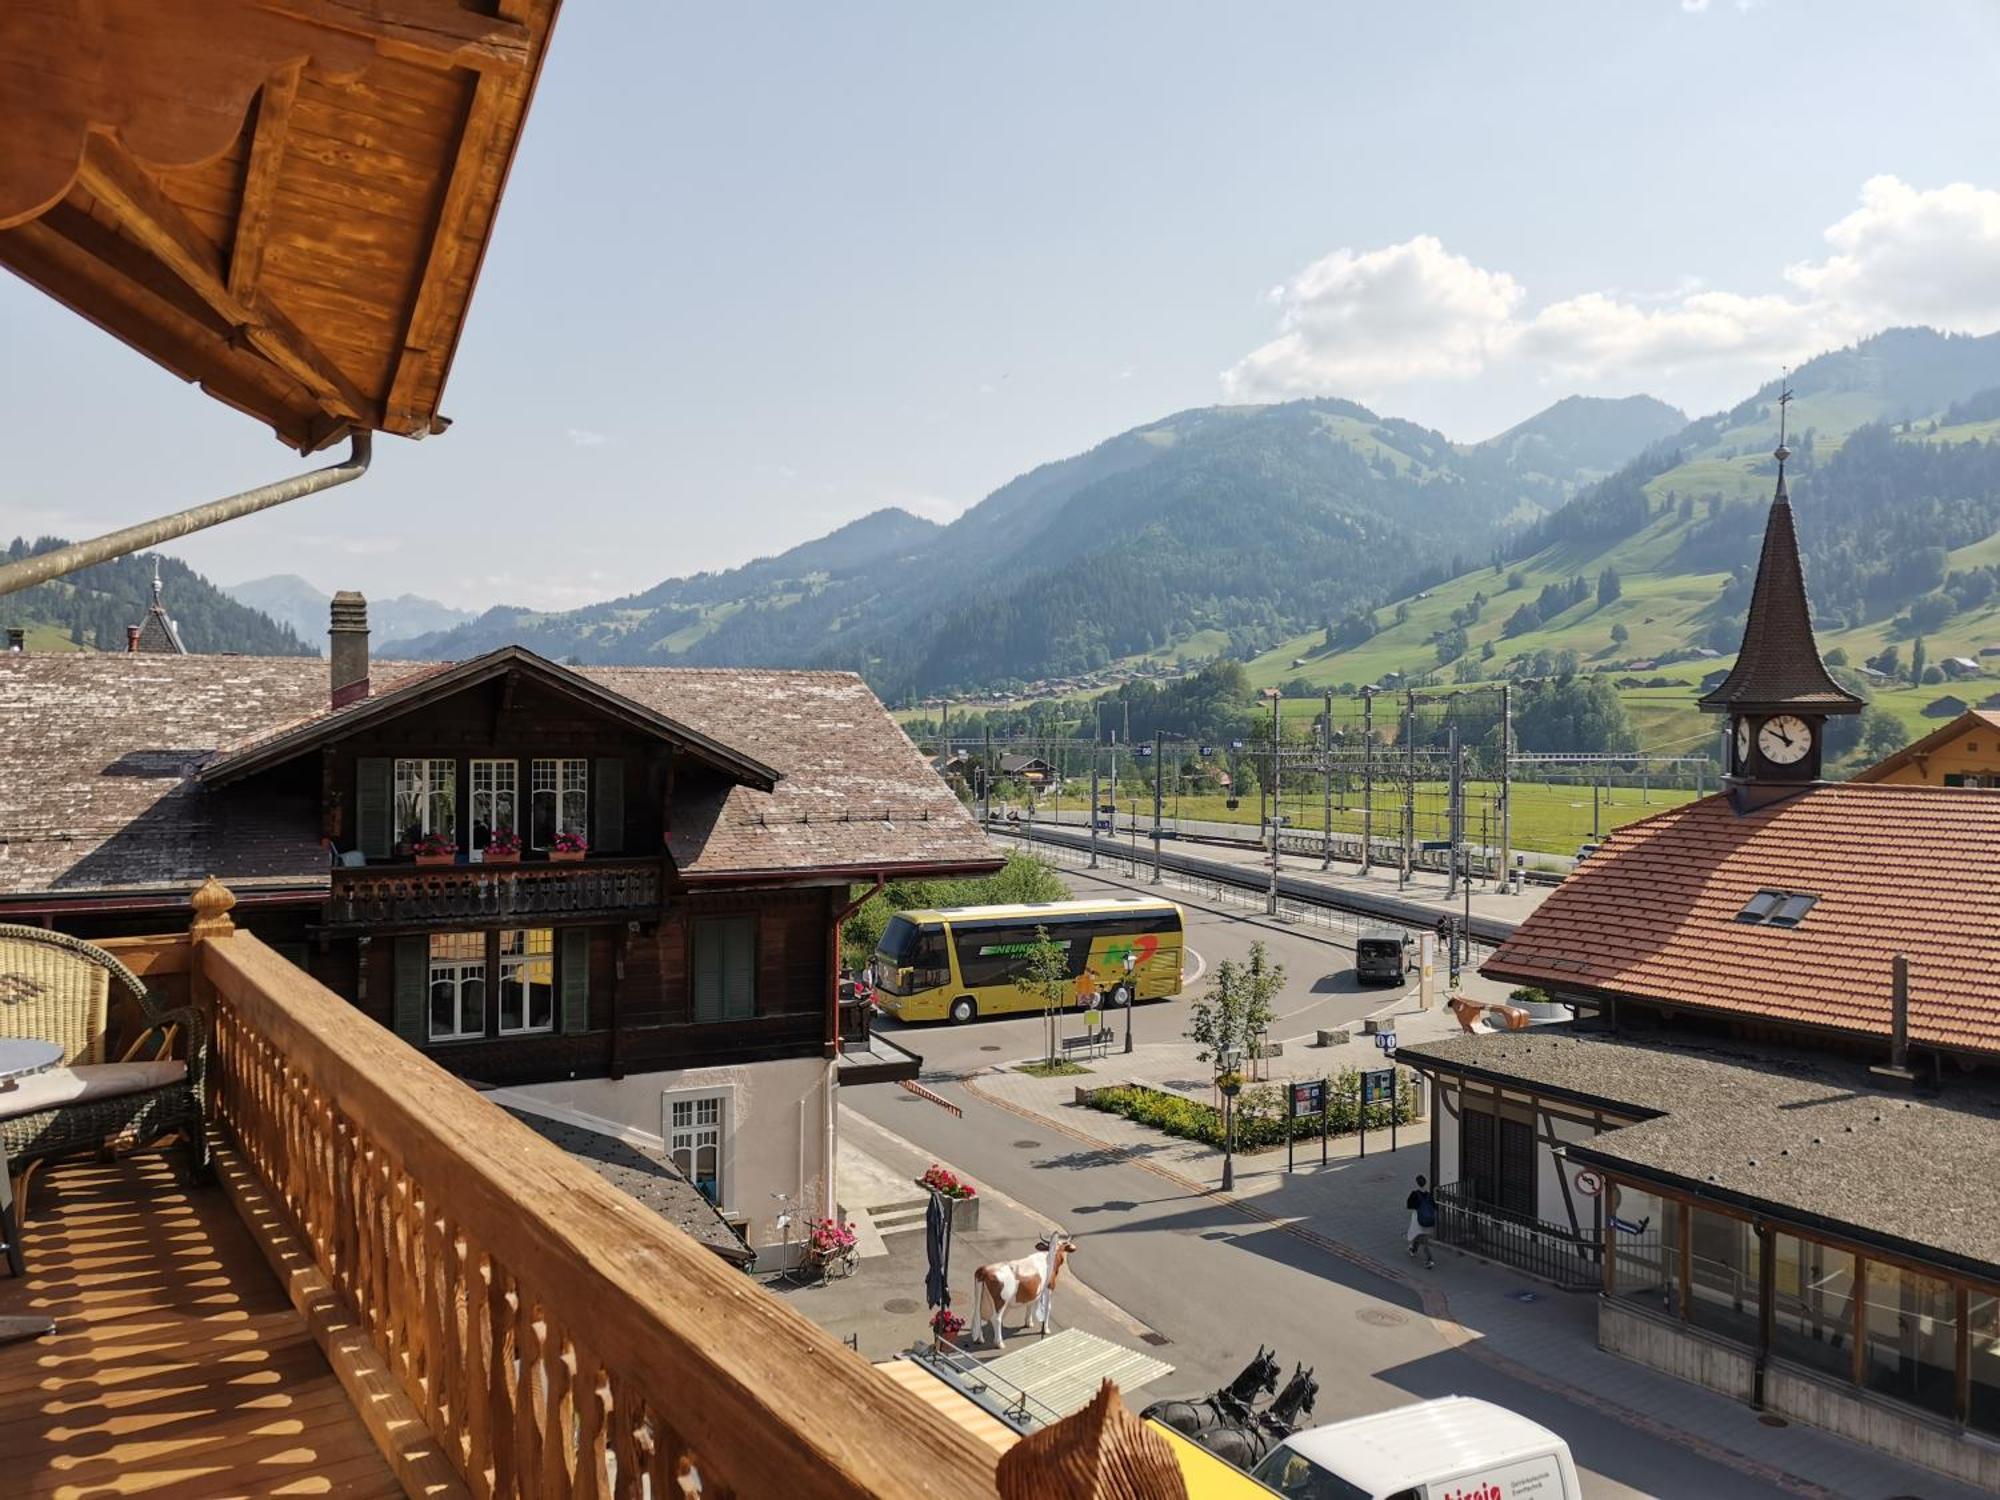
(1131, 997)
(1230, 1081)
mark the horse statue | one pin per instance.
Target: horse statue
(1233, 1404)
(1244, 1444)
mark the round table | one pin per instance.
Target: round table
(19, 1058)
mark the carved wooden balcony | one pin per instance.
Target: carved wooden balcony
(432, 896)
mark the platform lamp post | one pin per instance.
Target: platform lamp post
(1131, 997)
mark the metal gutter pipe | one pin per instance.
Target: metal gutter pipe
(40, 568)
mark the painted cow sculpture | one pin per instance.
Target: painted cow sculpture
(1028, 1282)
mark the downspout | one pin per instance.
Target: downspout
(29, 571)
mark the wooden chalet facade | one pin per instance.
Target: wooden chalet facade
(729, 818)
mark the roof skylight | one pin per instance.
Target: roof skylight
(1777, 908)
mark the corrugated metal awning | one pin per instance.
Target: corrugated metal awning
(1063, 1371)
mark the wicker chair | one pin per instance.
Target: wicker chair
(58, 988)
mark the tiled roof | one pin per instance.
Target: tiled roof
(1814, 1136)
(98, 753)
(1897, 869)
(1778, 664)
(1966, 723)
(644, 1173)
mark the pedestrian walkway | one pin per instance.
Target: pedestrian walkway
(1533, 1334)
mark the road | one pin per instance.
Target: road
(1218, 1283)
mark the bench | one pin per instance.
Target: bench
(1096, 1042)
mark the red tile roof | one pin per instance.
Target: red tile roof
(1897, 869)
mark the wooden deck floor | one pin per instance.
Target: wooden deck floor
(178, 1367)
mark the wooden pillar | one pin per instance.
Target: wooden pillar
(620, 939)
(1684, 1223)
(1963, 1299)
(212, 901)
(1859, 1371)
(1767, 1280)
(1101, 1452)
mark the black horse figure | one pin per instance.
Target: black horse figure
(1244, 1444)
(1234, 1404)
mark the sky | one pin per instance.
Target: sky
(763, 270)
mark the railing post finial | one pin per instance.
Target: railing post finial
(1101, 1452)
(212, 901)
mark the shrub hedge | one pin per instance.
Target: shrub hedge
(1261, 1112)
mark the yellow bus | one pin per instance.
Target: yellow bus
(962, 962)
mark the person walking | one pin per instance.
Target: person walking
(1086, 991)
(1423, 1222)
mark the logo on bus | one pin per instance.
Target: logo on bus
(1141, 949)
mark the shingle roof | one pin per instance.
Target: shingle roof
(1778, 663)
(1809, 1135)
(1969, 721)
(647, 1175)
(98, 753)
(1897, 869)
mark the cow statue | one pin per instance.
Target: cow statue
(1028, 1282)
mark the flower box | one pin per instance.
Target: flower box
(495, 857)
(436, 859)
(566, 856)
(964, 1214)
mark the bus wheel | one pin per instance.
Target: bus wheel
(963, 1009)
(1121, 997)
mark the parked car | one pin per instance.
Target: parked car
(1584, 851)
(1431, 1450)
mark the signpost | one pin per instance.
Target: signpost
(1308, 1099)
(1427, 947)
(1589, 1183)
(1377, 1085)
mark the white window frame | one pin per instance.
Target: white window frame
(456, 971)
(565, 780)
(501, 778)
(509, 964)
(433, 781)
(723, 1127)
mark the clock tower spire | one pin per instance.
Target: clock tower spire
(1779, 693)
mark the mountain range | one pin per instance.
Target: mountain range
(290, 600)
(1213, 530)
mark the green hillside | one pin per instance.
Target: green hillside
(91, 608)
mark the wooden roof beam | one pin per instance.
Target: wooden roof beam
(144, 211)
(260, 180)
(434, 33)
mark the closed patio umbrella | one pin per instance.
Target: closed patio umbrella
(937, 1252)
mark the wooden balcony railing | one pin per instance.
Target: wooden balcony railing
(441, 895)
(553, 1337)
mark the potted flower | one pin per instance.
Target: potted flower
(569, 846)
(829, 1240)
(434, 849)
(504, 847)
(947, 1327)
(961, 1197)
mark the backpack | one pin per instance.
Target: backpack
(1427, 1213)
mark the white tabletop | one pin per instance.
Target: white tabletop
(20, 1056)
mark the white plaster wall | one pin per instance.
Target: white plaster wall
(780, 1133)
(1551, 1170)
(1444, 1127)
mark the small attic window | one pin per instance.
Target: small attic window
(1777, 908)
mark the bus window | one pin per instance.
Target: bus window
(910, 958)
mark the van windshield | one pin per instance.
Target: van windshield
(1296, 1475)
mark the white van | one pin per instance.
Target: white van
(1457, 1448)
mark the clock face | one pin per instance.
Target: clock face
(1784, 739)
(1742, 743)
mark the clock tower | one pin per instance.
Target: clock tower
(1779, 694)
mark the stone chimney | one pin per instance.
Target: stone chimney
(131, 638)
(347, 648)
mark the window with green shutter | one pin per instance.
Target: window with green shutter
(374, 825)
(607, 808)
(725, 968)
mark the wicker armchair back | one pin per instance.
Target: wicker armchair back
(58, 988)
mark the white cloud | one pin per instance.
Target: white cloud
(1356, 323)
(1361, 320)
(1694, 7)
(583, 437)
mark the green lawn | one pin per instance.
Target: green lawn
(1547, 819)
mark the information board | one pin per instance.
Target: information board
(1378, 1086)
(1308, 1098)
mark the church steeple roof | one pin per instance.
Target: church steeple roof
(1778, 665)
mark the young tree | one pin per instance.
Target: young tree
(1882, 734)
(1917, 657)
(1045, 975)
(1619, 634)
(1239, 1004)
(1608, 587)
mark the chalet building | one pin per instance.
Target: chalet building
(1767, 1139)
(1965, 752)
(611, 894)
(1029, 770)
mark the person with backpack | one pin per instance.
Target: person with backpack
(1423, 1221)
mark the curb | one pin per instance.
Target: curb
(1436, 1307)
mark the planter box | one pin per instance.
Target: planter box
(437, 859)
(567, 856)
(964, 1214)
(492, 858)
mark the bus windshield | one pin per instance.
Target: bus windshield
(910, 957)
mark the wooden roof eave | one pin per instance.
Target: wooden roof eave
(737, 766)
(157, 182)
